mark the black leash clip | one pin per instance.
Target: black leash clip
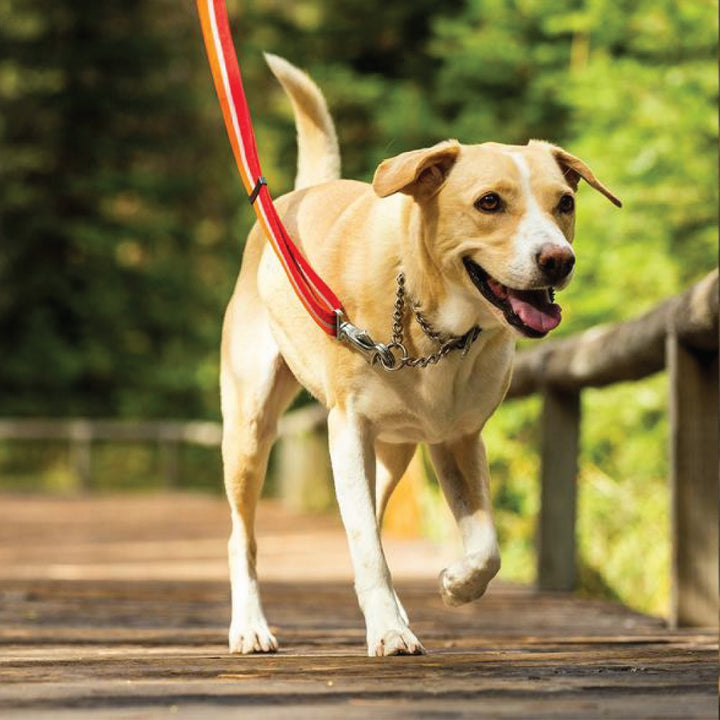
(252, 197)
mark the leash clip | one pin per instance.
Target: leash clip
(252, 197)
(361, 340)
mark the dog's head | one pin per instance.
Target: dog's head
(498, 222)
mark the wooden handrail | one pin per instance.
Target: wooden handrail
(169, 435)
(194, 432)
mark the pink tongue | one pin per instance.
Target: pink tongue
(534, 310)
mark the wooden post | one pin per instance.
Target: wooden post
(81, 436)
(693, 377)
(170, 459)
(303, 466)
(559, 457)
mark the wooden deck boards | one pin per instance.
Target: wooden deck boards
(117, 607)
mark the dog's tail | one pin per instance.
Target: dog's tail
(318, 151)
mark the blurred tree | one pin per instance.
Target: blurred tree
(108, 265)
(120, 207)
(630, 86)
(502, 70)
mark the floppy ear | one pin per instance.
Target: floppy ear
(574, 168)
(419, 173)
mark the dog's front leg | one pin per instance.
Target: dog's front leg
(464, 477)
(353, 460)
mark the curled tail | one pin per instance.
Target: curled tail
(318, 151)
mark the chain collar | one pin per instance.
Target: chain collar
(399, 352)
(395, 355)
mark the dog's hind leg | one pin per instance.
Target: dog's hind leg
(464, 477)
(392, 461)
(256, 387)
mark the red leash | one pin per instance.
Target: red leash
(318, 299)
(322, 304)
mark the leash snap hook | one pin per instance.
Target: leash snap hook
(376, 352)
(361, 340)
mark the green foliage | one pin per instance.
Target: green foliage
(623, 504)
(37, 466)
(122, 219)
(623, 501)
(512, 440)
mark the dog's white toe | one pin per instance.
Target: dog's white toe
(248, 640)
(395, 642)
(467, 580)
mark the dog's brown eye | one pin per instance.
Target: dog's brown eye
(489, 203)
(566, 204)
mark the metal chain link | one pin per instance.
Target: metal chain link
(446, 345)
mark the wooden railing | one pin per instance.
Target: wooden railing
(680, 334)
(168, 435)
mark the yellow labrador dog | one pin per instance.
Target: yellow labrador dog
(461, 248)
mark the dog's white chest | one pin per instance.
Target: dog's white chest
(439, 403)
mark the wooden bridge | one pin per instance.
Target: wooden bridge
(117, 606)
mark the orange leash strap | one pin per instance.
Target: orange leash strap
(322, 304)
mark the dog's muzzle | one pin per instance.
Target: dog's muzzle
(533, 312)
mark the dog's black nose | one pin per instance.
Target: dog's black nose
(556, 262)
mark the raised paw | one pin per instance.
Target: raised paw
(248, 640)
(395, 642)
(467, 580)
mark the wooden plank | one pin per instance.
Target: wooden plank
(559, 449)
(693, 378)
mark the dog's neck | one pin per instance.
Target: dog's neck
(451, 310)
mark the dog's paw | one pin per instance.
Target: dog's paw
(252, 639)
(467, 580)
(397, 641)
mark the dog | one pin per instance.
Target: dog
(465, 245)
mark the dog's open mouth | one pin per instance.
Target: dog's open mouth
(532, 312)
